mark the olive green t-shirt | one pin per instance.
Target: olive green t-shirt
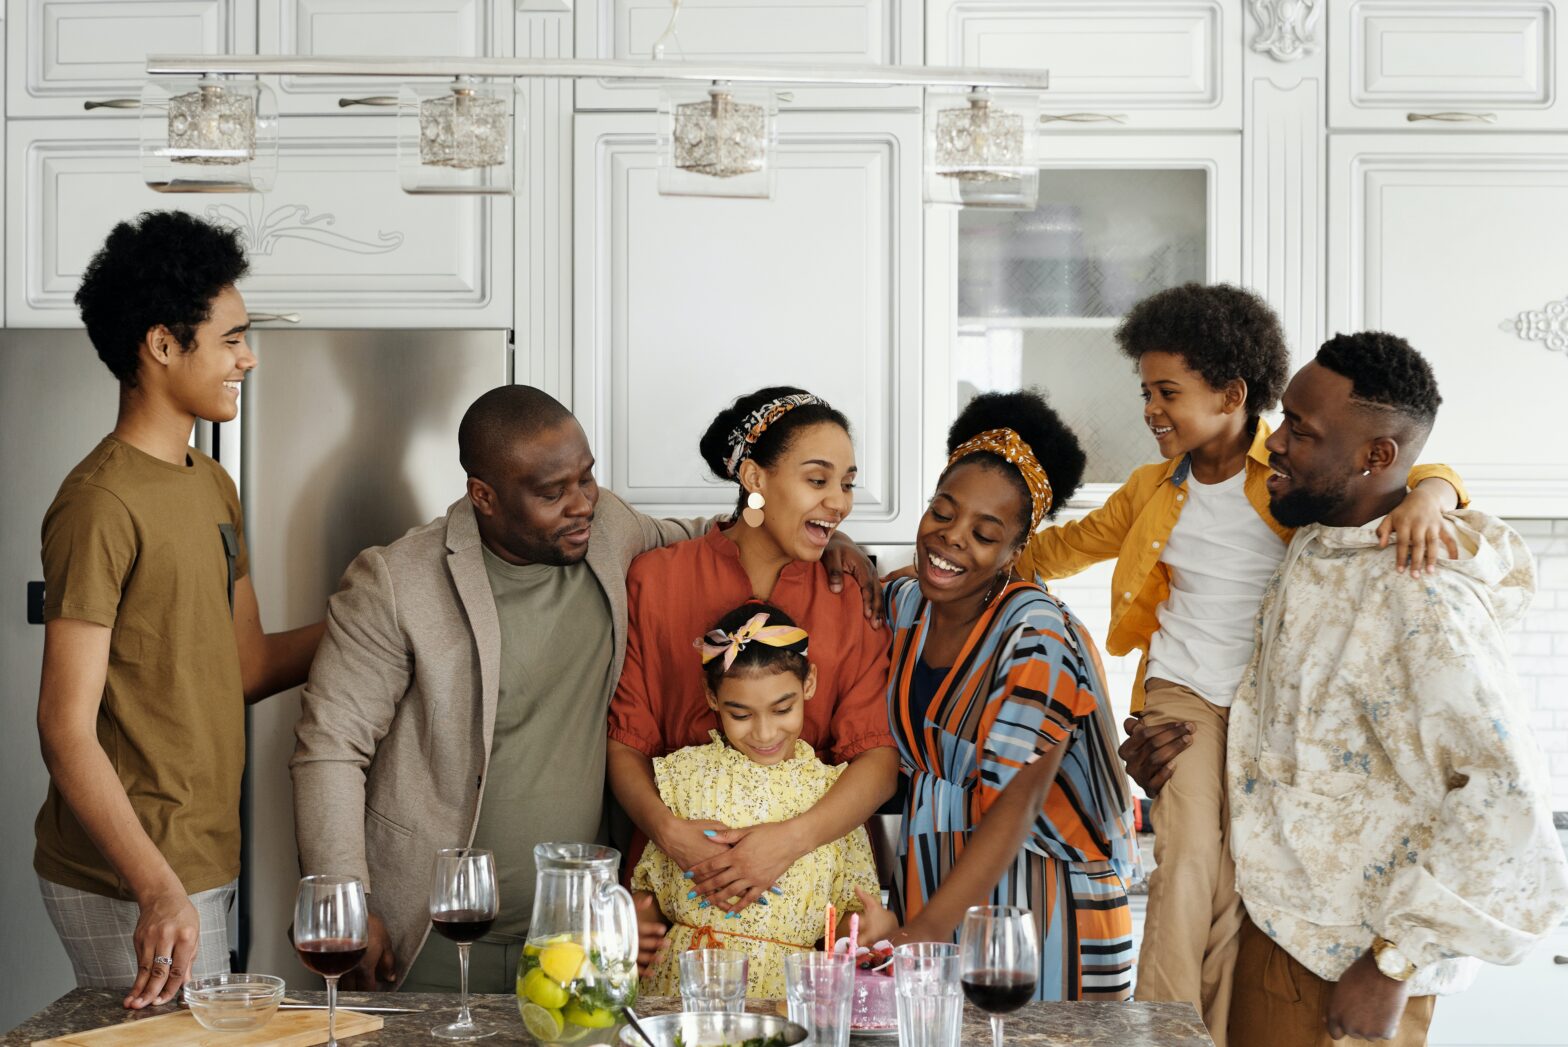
(546, 776)
(147, 548)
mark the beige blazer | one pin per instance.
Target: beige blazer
(396, 721)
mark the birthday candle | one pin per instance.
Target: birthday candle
(854, 934)
(832, 922)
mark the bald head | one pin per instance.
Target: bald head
(498, 421)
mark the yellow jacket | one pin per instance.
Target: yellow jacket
(1133, 526)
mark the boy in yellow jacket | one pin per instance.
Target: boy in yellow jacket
(1195, 544)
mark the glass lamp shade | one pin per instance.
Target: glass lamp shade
(980, 150)
(456, 137)
(209, 136)
(717, 141)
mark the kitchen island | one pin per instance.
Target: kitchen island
(1036, 1025)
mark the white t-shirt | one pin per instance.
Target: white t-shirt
(1221, 555)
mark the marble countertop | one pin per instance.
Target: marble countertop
(1036, 1025)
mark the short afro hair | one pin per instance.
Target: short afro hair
(497, 420)
(1385, 371)
(163, 268)
(1026, 413)
(1222, 332)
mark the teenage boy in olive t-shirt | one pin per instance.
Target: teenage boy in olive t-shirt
(153, 641)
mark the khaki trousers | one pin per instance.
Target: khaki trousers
(1194, 914)
(1279, 1003)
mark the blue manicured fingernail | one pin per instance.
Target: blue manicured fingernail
(776, 891)
(691, 894)
(762, 898)
(732, 916)
(686, 875)
(704, 904)
(709, 832)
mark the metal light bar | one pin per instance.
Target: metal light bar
(403, 67)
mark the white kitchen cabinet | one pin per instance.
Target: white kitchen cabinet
(1509, 1006)
(1141, 64)
(1448, 64)
(64, 52)
(1032, 298)
(337, 241)
(456, 28)
(814, 32)
(684, 303)
(1453, 242)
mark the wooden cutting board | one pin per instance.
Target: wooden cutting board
(287, 1028)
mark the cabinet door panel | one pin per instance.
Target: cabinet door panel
(337, 241)
(63, 52)
(1452, 242)
(815, 32)
(457, 28)
(684, 303)
(1450, 65)
(1148, 64)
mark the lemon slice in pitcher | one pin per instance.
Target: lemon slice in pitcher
(562, 960)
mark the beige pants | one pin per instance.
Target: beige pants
(1279, 1003)
(1189, 936)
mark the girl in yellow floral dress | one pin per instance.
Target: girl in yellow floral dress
(758, 680)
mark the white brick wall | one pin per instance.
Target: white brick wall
(1539, 647)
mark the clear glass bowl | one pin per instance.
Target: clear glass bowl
(234, 1002)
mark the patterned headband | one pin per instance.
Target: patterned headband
(750, 430)
(719, 643)
(1008, 445)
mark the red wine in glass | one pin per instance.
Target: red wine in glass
(464, 926)
(331, 957)
(998, 992)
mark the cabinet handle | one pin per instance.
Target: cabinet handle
(1083, 118)
(112, 103)
(379, 100)
(1560, 959)
(261, 318)
(1452, 118)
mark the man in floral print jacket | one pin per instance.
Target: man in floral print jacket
(1389, 814)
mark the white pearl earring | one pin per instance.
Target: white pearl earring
(752, 514)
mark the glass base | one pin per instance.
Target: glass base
(461, 1031)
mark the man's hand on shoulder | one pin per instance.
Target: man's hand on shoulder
(377, 972)
(1366, 1004)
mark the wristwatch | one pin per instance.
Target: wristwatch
(1390, 961)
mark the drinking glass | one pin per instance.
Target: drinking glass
(331, 933)
(1000, 961)
(463, 905)
(713, 980)
(819, 986)
(925, 984)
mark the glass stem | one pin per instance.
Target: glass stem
(463, 1017)
(996, 1030)
(332, 1012)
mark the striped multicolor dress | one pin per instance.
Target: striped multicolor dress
(1027, 678)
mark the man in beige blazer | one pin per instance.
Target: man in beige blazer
(459, 697)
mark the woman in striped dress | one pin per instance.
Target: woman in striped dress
(998, 704)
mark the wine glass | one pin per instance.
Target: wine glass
(463, 905)
(331, 933)
(1000, 961)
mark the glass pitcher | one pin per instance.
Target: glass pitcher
(579, 964)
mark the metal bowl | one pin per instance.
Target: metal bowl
(705, 1028)
(234, 1002)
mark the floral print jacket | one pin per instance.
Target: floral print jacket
(1383, 779)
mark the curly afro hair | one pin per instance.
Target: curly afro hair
(1384, 371)
(1222, 332)
(162, 268)
(1055, 446)
(776, 438)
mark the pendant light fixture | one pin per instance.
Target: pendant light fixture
(717, 142)
(456, 138)
(211, 135)
(980, 150)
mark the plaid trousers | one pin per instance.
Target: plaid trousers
(99, 933)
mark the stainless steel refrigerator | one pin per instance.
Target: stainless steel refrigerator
(345, 439)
